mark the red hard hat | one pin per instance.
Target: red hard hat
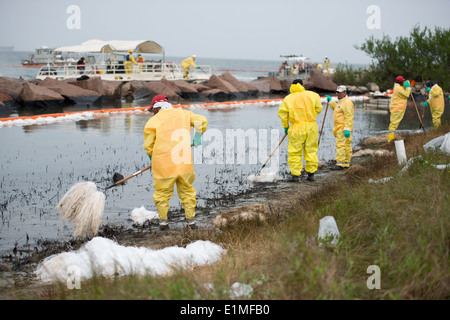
(399, 79)
(158, 98)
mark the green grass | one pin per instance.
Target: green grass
(401, 226)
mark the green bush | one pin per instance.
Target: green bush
(422, 56)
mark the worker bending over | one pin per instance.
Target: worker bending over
(167, 141)
(186, 64)
(343, 126)
(402, 90)
(298, 113)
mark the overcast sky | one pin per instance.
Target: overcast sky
(235, 29)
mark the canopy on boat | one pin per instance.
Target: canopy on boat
(100, 46)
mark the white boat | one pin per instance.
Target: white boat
(295, 67)
(43, 56)
(106, 60)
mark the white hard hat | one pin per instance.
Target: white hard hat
(341, 89)
(194, 56)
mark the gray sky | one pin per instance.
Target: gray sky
(234, 29)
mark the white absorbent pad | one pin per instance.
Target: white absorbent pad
(105, 257)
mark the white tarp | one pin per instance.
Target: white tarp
(442, 143)
(99, 46)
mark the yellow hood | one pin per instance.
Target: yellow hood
(296, 88)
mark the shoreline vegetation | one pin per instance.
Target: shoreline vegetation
(400, 226)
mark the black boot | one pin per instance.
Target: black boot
(310, 177)
(293, 178)
(335, 167)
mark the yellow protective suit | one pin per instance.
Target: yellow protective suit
(300, 109)
(397, 107)
(140, 62)
(327, 64)
(343, 120)
(186, 64)
(167, 139)
(437, 104)
(129, 62)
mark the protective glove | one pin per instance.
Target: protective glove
(150, 157)
(426, 104)
(328, 98)
(346, 133)
(197, 139)
(197, 67)
(406, 84)
(286, 130)
(428, 89)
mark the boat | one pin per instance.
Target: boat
(43, 56)
(106, 60)
(295, 67)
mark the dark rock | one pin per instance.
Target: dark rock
(188, 90)
(153, 88)
(318, 81)
(11, 86)
(93, 84)
(72, 93)
(7, 104)
(234, 82)
(113, 89)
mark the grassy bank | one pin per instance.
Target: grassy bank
(402, 226)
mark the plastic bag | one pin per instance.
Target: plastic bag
(328, 231)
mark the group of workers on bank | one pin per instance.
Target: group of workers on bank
(172, 159)
(399, 100)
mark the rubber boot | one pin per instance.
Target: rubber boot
(293, 178)
(391, 137)
(310, 177)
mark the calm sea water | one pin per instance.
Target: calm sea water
(40, 163)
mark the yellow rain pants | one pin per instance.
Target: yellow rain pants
(186, 64)
(398, 107)
(167, 139)
(300, 109)
(343, 120)
(437, 104)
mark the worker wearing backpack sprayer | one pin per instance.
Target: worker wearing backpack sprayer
(167, 143)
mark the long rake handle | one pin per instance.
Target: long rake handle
(125, 179)
(133, 175)
(273, 152)
(418, 114)
(321, 130)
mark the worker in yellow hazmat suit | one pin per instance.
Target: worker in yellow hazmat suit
(343, 126)
(436, 102)
(327, 64)
(400, 95)
(298, 113)
(186, 64)
(168, 145)
(140, 62)
(129, 62)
